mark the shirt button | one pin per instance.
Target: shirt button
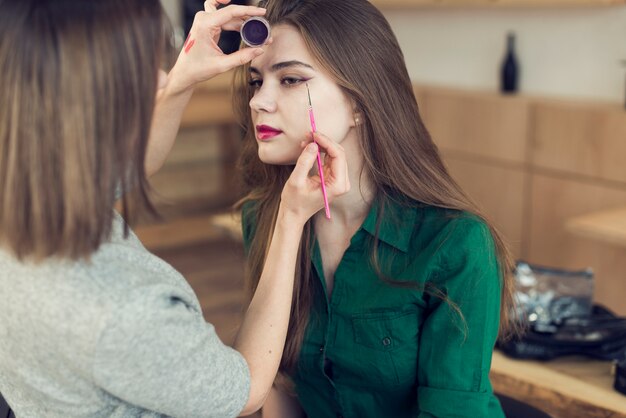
(386, 341)
(321, 349)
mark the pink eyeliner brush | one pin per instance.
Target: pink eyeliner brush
(319, 158)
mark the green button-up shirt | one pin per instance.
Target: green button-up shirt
(374, 349)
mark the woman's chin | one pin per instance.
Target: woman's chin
(267, 158)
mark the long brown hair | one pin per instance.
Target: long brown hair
(352, 40)
(77, 91)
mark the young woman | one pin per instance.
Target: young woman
(92, 324)
(400, 296)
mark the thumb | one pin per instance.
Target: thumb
(241, 57)
(304, 164)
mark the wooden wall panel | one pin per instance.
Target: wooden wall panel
(553, 201)
(499, 191)
(583, 139)
(487, 125)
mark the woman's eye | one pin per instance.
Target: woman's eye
(255, 83)
(291, 81)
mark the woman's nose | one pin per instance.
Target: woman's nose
(263, 101)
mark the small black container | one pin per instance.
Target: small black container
(255, 31)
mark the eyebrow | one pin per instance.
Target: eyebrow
(282, 65)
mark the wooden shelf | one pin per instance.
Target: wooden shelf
(407, 4)
(572, 387)
(607, 226)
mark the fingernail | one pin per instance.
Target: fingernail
(312, 148)
(258, 51)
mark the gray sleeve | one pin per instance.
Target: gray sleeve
(158, 353)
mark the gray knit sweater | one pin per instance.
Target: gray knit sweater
(119, 336)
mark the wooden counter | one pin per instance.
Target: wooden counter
(608, 226)
(570, 387)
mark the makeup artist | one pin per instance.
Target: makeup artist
(92, 324)
(400, 296)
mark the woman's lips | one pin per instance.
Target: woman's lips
(265, 132)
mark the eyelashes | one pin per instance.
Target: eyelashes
(292, 81)
(285, 81)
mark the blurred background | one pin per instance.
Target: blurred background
(526, 100)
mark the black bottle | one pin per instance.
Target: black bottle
(509, 76)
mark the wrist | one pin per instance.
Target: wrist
(289, 220)
(175, 86)
(173, 100)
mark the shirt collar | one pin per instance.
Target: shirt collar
(397, 224)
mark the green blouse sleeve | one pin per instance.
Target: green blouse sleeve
(454, 352)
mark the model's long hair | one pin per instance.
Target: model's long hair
(77, 92)
(353, 42)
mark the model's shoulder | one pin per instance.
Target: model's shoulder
(452, 221)
(440, 230)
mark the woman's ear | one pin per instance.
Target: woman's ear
(358, 118)
(357, 115)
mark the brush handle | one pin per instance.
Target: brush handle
(320, 168)
(312, 118)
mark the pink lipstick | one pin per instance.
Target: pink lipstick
(265, 132)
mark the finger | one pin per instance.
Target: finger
(241, 57)
(336, 170)
(336, 165)
(331, 148)
(305, 163)
(211, 5)
(234, 24)
(231, 12)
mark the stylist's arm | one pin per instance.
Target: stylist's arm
(199, 60)
(262, 335)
